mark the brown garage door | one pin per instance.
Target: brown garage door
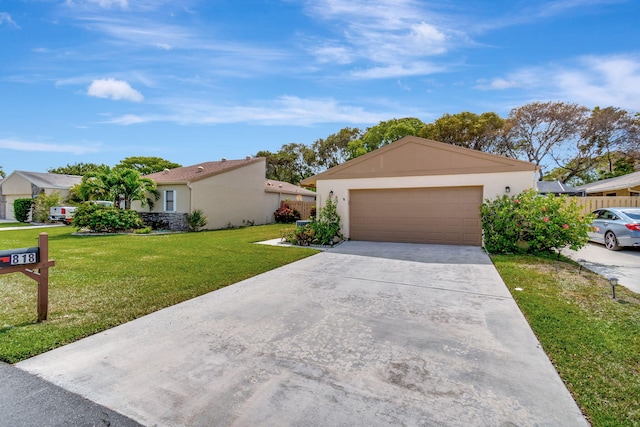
(417, 215)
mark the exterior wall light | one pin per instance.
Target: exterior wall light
(507, 189)
(613, 281)
(331, 193)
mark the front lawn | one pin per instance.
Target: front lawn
(103, 281)
(593, 340)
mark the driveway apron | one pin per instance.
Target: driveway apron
(365, 334)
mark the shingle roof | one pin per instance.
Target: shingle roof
(616, 183)
(50, 180)
(273, 186)
(199, 171)
(556, 187)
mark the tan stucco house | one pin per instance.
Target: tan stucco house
(421, 191)
(228, 192)
(24, 185)
(280, 191)
(625, 185)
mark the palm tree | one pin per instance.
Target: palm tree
(118, 184)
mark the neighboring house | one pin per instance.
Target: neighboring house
(421, 191)
(556, 187)
(278, 191)
(625, 185)
(24, 185)
(228, 192)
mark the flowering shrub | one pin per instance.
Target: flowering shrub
(286, 215)
(530, 222)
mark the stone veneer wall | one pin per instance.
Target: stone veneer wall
(166, 220)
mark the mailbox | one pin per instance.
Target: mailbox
(21, 256)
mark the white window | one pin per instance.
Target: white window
(169, 200)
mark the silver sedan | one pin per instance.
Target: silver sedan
(616, 227)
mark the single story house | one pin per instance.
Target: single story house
(24, 185)
(228, 192)
(557, 187)
(420, 191)
(625, 185)
(280, 191)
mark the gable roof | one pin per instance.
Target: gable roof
(617, 183)
(49, 180)
(415, 156)
(187, 174)
(273, 186)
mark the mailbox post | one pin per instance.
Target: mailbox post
(26, 261)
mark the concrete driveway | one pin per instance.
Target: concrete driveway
(365, 334)
(623, 264)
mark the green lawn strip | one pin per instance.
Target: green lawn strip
(103, 281)
(593, 340)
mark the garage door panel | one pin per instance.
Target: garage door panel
(417, 215)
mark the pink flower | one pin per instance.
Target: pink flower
(565, 226)
(545, 219)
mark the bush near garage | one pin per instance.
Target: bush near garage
(21, 209)
(531, 223)
(106, 219)
(325, 230)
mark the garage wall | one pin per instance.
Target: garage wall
(493, 185)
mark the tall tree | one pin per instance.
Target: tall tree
(292, 163)
(612, 129)
(147, 165)
(384, 133)
(538, 130)
(333, 150)
(2, 174)
(118, 185)
(77, 169)
(466, 129)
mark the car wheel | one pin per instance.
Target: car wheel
(611, 242)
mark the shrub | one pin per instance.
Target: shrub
(196, 220)
(530, 222)
(324, 231)
(106, 219)
(22, 209)
(42, 203)
(286, 215)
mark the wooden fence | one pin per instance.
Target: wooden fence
(303, 207)
(591, 203)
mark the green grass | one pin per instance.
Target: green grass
(103, 281)
(593, 340)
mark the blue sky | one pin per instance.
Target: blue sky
(96, 81)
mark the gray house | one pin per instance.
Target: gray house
(24, 185)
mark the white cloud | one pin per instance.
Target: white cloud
(5, 18)
(381, 35)
(114, 89)
(107, 4)
(397, 70)
(285, 110)
(13, 144)
(590, 80)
